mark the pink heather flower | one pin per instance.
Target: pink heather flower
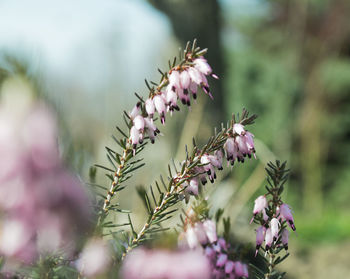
(195, 75)
(274, 225)
(265, 217)
(239, 129)
(242, 145)
(245, 271)
(200, 233)
(152, 130)
(208, 167)
(239, 269)
(260, 235)
(44, 207)
(229, 267)
(259, 205)
(210, 252)
(171, 99)
(268, 238)
(202, 65)
(174, 79)
(221, 261)
(285, 237)
(286, 214)
(139, 123)
(222, 243)
(193, 87)
(191, 237)
(160, 264)
(185, 100)
(192, 188)
(159, 104)
(135, 111)
(150, 108)
(134, 136)
(231, 150)
(210, 230)
(185, 79)
(216, 161)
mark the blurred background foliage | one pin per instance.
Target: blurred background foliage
(287, 61)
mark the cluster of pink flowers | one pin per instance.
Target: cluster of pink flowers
(44, 208)
(162, 264)
(202, 236)
(182, 81)
(271, 228)
(240, 145)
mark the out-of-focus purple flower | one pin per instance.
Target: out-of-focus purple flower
(200, 233)
(94, 259)
(229, 266)
(210, 230)
(44, 208)
(158, 264)
(221, 261)
(286, 214)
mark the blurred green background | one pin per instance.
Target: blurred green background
(287, 61)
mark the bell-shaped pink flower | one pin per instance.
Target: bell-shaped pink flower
(139, 123)
(210, 230)
(191, 237)
(285, 238)
(221, 261)
(150, 108)
(239, 129)
(192, 187)
(135, 111)
(202, 65)
(174, 79)
(268, 239)
(200, 233)
(185, 80)
(134, 136)
(195, 75)
(159, 104)
(259, 204)
(229, 266)
(260, 235)
(239, 269)
(286, 214)
(274, 225)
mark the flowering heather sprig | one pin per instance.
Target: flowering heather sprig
(200, 234)
(185, 182)
(273, 217)
(178, 83)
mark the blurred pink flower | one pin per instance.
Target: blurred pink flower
(160, 264)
